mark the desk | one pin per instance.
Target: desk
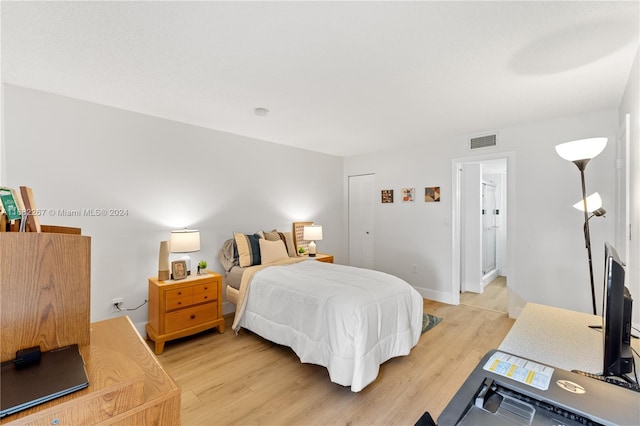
(558, 337)
(127, 385)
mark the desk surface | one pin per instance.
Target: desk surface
(557, 337)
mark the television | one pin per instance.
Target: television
(616, 316)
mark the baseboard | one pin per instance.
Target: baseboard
(438, 296)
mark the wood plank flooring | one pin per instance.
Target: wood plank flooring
(229, 379)
(493, 297)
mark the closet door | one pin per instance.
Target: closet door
(361, 205)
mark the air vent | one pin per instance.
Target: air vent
(481, 142)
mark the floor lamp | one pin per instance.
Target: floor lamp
(580, 152)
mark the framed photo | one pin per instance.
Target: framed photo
(387, 196)
(432, 194)
(408, 195)
(178, 269)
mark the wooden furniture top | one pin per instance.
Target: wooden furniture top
(126, 384)
(129, 343)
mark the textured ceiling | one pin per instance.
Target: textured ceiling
(343, 78)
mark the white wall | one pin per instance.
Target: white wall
(631, 105)
(166, 175)
(549, 262)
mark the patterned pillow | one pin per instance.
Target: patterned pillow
(286, 237)
(248, 249)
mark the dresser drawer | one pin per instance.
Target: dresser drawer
(189, 317)
(181, 302)
(179, 293)
(205, 293)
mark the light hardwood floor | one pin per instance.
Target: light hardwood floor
(493, 297)
(245, 380)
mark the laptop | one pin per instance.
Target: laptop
(60, 372)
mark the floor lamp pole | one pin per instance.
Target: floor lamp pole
(582, 164)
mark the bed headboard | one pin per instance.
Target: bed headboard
(298, 230)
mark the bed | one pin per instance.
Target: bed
(349, 320)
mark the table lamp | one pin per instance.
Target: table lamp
(185, 241)
(312, 233)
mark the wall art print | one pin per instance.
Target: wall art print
(408, 195)
(432, 194)
(387, 196)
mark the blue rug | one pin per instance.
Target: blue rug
(429, 321)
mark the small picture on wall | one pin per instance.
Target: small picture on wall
(432, 194)
(387, 196)
(408, 195)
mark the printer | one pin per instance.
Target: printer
(506, 389)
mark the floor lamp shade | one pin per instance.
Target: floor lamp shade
(583, 149)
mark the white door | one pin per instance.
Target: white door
(361, 205)
(471, 227)
(623, 231)
(488, 228)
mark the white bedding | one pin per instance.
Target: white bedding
(348, 319)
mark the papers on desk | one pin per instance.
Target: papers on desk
(521, 370)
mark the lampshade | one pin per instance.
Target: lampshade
(583, 149)
(594, 202)
(312, 233)
(185, 241)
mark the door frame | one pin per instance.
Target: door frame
(509, 266)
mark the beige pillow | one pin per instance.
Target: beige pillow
(272, 251)
(286, 237)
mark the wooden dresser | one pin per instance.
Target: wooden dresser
(184, 307)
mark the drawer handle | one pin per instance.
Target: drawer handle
(206, 297)
(179, 303)
(206, 288)
(179, 293)
(193, 317)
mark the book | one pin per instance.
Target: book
(10, 204)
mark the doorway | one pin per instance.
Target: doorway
(481, 242)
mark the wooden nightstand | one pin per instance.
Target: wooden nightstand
(184, 307)
(321, 257)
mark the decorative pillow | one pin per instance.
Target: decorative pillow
(286, 237)
(272, 251)
(248, 249)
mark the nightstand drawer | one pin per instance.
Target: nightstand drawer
(177, 303)
(190, 317)
(178, 293)
(210, 288)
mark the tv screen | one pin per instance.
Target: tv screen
(616, 316)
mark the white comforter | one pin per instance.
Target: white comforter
(348, 319)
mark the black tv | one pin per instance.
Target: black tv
(616, 317)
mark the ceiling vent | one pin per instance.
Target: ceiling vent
(483, 142)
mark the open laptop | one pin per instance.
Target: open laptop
(60, 372)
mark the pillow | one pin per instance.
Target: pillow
(272, 251)
(228, 255)
(248, 249)
(286, 237)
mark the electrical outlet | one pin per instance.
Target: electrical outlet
(116, 303)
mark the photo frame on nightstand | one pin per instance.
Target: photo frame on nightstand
(178, 270)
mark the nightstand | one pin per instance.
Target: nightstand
(321, 257)
(179, 308)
